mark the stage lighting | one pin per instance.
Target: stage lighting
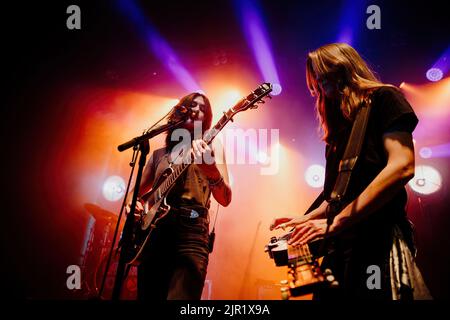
(228, 99)
(258, 39)
(113, 188)
(434, 74)
(427, 180)
(425, 152)
(276, 89)
(157, 44)
(315, 176)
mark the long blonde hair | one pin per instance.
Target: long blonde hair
(355, 76)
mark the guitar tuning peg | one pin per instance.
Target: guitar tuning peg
(231, 119)
(330, 278)
(285, 293)
(334, 284)
(269, 96)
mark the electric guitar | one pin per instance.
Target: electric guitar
(154, 201)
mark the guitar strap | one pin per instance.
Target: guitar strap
(346, 166)
(351, 155)
(348, 162)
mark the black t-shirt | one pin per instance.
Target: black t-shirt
(390, 112)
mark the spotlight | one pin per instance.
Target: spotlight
(425, 152)
(228, 99)
(157, 44)
(113, 188)
(434, 74)
(276, 89)
(315, 176)
(427, 180)
(258, 39)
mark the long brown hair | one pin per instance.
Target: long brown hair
(356, 80)
(186, 101)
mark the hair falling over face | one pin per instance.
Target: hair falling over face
(340, 79)
(187, 101)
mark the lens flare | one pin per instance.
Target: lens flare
(113, 188)
(427, 180)
(315, 176)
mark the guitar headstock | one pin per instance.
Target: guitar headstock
(253, 99)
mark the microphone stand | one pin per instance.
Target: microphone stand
(139, 144)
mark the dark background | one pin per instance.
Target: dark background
(41, 59)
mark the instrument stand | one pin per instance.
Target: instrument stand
(127, 233)
(139, 144)
(84, 263)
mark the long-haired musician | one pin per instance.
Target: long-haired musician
(175, 260)
(372, 231)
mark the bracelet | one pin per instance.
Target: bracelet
(215, 183)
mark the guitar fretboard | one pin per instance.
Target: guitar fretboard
(178, 169)
(245, 103)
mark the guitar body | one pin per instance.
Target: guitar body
(155, 208)
(155, 204)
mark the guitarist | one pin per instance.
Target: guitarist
(372, 230)
(175, 261)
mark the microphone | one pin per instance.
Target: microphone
(181, 110)
(184, 112)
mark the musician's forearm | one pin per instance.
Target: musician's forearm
(319, 212)
(382, 189)
(222, 194)
(218, 186)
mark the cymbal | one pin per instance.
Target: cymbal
(100, 213)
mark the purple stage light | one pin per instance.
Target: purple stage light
(276, 89)
(438, 151)
(351, 17)
(434, 74)
(346, 36)
(258, 40)
(425, 152)
(160, 48)
(440, 68)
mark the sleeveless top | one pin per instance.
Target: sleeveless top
(191, 189)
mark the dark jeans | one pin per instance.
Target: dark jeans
(175, 260)
(349, 264)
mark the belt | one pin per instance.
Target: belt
(191, 212)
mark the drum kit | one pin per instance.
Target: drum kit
(96, 256)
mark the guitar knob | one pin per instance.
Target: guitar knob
(330, 278)
(327, 272)
(334, 284)
(284, 282)
(284, 293)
